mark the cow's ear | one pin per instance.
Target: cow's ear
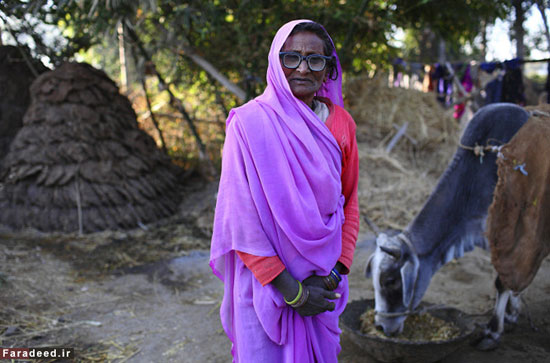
(368, 268)
(409, 273)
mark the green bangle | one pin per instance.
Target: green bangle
(298, 296)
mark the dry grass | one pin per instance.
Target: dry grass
(37, 310)
(393, 186)
(40, 310)
(419, 327)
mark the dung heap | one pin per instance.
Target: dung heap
(16, 76)
(80, 162)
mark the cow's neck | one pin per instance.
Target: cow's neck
(452, 219)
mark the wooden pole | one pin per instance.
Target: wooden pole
(397, 136)
(78, 202)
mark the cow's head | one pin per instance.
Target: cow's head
(394, 269)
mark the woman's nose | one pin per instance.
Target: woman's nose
(303, 67)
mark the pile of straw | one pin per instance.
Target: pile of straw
(394, 185)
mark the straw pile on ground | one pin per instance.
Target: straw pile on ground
(80, 162)
(394, 185)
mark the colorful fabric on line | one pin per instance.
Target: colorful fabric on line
(279, 195)
(468, 84)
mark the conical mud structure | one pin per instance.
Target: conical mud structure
(16, 76)
(80, 162)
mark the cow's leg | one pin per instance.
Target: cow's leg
(512, 309)
(495, 327)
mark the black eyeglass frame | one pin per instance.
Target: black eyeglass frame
(307, 58)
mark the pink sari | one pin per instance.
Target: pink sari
(279, 194)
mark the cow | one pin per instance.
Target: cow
(451, 222)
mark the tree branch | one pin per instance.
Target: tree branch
(153, 118)
(212, 71)
(147, 99)
(541, 8)
(20, 48)
(175, 102)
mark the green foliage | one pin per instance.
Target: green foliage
(455, 21)
(235, 36)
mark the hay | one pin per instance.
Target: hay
(418, 327)
(393, 186)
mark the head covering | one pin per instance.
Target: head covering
(276, 80)
(279, 194)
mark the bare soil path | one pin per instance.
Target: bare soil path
(54, 292)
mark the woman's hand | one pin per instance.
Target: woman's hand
(317, 302)
(318, 294)
(316, 281)
(320, 281)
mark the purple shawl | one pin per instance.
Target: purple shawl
(279, 194)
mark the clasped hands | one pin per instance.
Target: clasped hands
(310, 297)
(318, 294)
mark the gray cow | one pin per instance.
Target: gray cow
(450, 223)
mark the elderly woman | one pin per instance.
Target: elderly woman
(287, 214)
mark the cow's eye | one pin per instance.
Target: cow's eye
(392, 283)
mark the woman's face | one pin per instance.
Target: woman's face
(304, 82)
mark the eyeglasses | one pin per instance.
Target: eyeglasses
(315, 62)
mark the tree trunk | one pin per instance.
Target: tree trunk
(441, 58)
(519, 32)
(541, 7)
(122, 58)
(428, 45)
(483, 41)
(346, 51)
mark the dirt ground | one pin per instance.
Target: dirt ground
(113, 302)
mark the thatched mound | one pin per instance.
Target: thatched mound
(394, 186)
(16, 78)
(80, 160)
